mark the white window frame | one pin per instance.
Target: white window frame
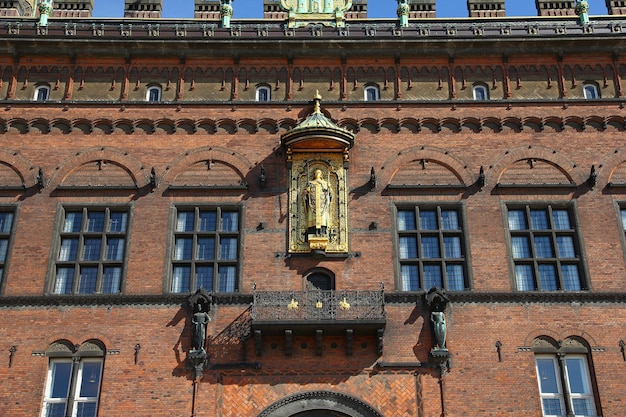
(591, 91)
(74, 385)
(40, 88)
(373, 88)
(154, 88)
(586, 382)
(268, 92)
(483, 89)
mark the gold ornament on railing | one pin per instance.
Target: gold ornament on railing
(293, 305)
(318, 305)
(344, 304)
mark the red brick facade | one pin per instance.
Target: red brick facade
(99, 144)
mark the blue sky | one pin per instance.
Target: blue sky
(376, 8)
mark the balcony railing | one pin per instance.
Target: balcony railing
(318, 305)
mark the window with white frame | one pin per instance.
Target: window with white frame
(371, 93)
(263, 93)
(205, 249)
(6, 231)
(153, 93)
(73, 381)
(591, 91)
(564, 378)
(545, 248)
(42, 92)
(91, 250)
(431, 248)
(481, 92)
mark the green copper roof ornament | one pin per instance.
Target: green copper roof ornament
(45, 10)
(403, 12)
(226, 12)
(582, 10)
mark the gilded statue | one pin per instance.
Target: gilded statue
(317, 197)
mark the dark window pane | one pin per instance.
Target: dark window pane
(566, 246)
(520, 246)
(432, 277)
(547, 277)
(115, 249)
(91, 249)
(73, 221)
(61, 374)
(118, 222)
(539, 219)
(408, 247)
(180, 279)
(428, 220)
(548, 383)
(208, 221)
(543, 247)
(86, 409)
(111, 280)
(456, 280)
(410, 278)
(95, 221)
(227, 278)
(6, 221)
(571, 279)
(184, 221)
(561, 219)
(204, 278)
(406, 220)
(449, 220)
(230, 221)
(55, 410)
(90, 381)
(525, 277)
(206, 248)
(430, 247)
(517, 220)
(452, 247)
(88, 279)
(228, 248)
(68, 250)
(183, 249)
(64, 281)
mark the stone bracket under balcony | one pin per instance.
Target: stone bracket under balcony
(316, 314)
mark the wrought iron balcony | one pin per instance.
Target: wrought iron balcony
(318, 305)
(318, 313)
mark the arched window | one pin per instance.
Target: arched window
(481, 93)
(263, 93)
(153, 94)
(42, 92)
(73, 381)
(371, 93)
(591, 91)
(564, 377)
(320, 279)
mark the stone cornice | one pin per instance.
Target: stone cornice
(173, 300)
(514, 297)
(433, 34)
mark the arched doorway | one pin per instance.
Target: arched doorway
(320, 279)
(320, 404)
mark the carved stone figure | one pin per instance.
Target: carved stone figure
(200, 320)
(318, 197)
(438, 319)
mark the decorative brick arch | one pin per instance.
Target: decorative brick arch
(240, 164)
(404, 157)
(133, 167)
(567, 167)
(305, 404)
(612, 166)
(22, 167)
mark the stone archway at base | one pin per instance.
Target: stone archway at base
(320, 404)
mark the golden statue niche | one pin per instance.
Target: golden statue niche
(318, 158)
(317, 199)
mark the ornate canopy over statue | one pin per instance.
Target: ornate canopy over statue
(327, 12)
(318, 159)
